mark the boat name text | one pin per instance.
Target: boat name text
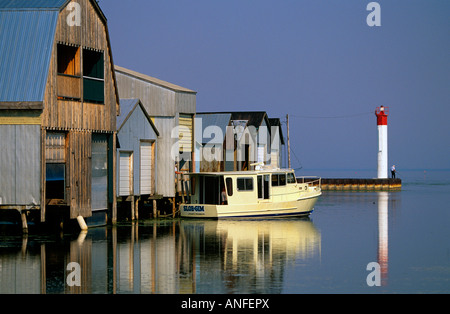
(194, 208)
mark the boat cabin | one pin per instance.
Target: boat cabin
(229, 188)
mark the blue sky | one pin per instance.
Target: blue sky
(316, 60)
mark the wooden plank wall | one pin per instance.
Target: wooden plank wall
(79, 177)
(68, 114)
(79, 119)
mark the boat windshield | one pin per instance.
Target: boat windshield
(291, 178)
(278, 179)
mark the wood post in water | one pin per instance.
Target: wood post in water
(136, 207)
(154, 209)
(173, 207)
(132, 208)
(23, 215)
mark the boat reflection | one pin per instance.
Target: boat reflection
(252, 254)
(176, 256)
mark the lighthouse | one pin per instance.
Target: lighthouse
(382, 114)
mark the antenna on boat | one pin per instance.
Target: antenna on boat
(289, 143)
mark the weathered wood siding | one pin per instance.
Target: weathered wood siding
(165, 176)
(164, 102)
(158, 97)
(158, 101)
(67, 114)
(79, 118)
(186, 102)
(79, 173)
(135, 130)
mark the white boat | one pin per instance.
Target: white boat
(250, 194)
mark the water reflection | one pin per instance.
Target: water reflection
(383, 206)
(176, 256)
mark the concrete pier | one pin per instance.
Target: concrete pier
(356, 184)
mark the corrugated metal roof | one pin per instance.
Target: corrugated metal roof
(127, 106)
(153, 80)
(27, 32)
(26, 42)
(254, 118)
(32, 4)
(277, 122)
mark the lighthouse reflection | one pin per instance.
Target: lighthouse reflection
(383, 235)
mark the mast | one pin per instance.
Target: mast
(289, 143)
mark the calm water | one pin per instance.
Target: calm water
(407, 233)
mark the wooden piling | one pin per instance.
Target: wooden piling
(136, 208)
(23, 215)
(155, 213)
(132, 208)
(173, 207)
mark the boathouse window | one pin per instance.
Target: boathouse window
(291, 178)
(55, 168)
(279, 179)
(245, 184)
(229, 183)
(69, 72)
(93, 76)
(55, 181)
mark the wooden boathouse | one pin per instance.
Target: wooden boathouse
(58, 108)
(247, 139)
(136, 156)
(172, 110)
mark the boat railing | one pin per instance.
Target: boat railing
(311, 181)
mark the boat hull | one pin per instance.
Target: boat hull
(300, 207)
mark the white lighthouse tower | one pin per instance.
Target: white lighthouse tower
(382, 114)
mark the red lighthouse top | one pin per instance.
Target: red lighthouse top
(382, 114)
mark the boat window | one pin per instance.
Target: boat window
(274, 180)
(193, 182)
(245, 184)
(278, 179)
(260, 187)
(229, 183)
(282, 179)
(212, 190)
(263, 187)
(291, 178)
(223, 193)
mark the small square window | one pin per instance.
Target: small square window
(245, 184)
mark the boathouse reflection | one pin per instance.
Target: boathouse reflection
(179, 256)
